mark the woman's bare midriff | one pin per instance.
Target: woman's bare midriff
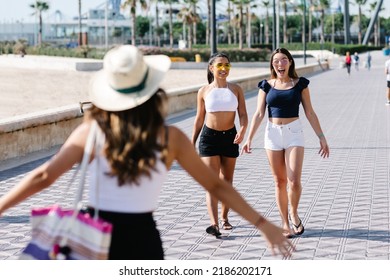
(282, 121)
(220, 120)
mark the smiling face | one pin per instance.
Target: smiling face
(220, 67)
(281, 65)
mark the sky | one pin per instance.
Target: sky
(19, 10)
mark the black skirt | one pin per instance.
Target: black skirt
(134, 236)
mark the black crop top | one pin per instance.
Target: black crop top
(283, 103)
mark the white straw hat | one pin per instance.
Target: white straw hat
(128, 78)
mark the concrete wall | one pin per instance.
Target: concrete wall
(22, 137)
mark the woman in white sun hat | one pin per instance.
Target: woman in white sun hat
(138, 150)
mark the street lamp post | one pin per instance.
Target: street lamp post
(347, 34)
(304, 31)
(213, 31)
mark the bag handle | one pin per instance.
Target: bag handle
(84, 163)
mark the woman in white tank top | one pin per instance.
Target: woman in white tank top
(217, 105)
(137, 151)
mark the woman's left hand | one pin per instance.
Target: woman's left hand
(324, 150)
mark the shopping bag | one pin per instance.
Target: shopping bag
(65, 235)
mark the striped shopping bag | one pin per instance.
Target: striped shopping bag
(68, 235)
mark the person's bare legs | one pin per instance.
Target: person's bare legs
(294, 163)
(278, 167)
(226, 173)
(212, 203)
(388, 94)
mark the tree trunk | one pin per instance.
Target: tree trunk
(80, 26)
(285, 35)
(266, 28)
(170, 27)
(240, 30)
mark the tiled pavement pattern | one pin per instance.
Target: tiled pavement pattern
(345, 204)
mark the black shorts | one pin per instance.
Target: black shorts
(388, 84)
(218, 143)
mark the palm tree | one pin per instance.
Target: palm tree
(229, 23)
(360, 3)
(240, 19)
(310, 25)
(249, 17)
(157, 30)
(192, 8)
(170, 23)
(188, 17)
(285, 34)
(266, 26)
(40, 7)
(133, 6)
(80, 26)
(323, 5)
(377, 24)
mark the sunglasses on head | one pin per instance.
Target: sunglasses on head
(220, 66)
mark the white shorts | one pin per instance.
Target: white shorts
(280, 137)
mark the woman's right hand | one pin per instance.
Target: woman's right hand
(276, 240)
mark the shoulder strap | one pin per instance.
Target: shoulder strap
(85, 161)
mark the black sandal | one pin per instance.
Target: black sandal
(297, 228)
(213, 230)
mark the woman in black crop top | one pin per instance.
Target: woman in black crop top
(282, 95)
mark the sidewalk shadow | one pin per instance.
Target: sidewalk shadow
(22, 219)
(354, 233)
(362, 234)
(22, 169)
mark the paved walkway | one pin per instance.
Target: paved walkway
(345, 204)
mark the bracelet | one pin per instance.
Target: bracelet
(320, 135)
(261, 220)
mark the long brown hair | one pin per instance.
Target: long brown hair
(291, 71)
(132, 138)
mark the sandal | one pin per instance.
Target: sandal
(213, 230)
(226, 225)
(297, 228)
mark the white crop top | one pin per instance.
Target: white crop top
(128, 198)
(221, 99)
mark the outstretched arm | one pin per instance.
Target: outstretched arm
(43, 176)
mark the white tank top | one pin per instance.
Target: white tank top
(128, 198)
(221, 100)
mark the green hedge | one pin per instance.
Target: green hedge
(235, 55)
(257, 53)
